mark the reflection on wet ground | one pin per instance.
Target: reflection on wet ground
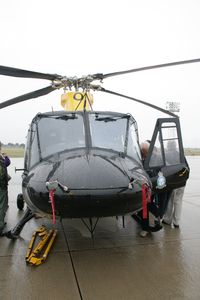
(117, 264)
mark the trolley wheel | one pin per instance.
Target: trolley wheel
(20, 202)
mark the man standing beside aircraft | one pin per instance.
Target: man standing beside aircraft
(151, 207)
(174, 208)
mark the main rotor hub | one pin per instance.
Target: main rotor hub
(83, 82)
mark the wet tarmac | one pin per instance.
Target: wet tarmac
(117, 265)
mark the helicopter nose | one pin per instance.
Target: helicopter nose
(95, 172)
(97, 185)
(101, 186)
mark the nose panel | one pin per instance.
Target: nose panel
(98, 185)
(94, 172)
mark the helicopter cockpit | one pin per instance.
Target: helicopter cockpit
(59, 132)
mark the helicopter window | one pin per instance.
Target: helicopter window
(60, 134)
(108, 132)
(113, 132)
(34, 157)
(168, 139)
(170, 143)
(169, 131)
(133, 149)
(172, 153)
(27, 156)
(156, 157)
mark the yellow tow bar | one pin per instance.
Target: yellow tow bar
(39, 254)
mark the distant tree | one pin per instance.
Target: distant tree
(16, 145)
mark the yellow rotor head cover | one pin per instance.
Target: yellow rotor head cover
(72, 101)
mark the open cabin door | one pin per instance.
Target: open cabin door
(166, 154)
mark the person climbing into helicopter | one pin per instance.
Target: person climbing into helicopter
(152, 206)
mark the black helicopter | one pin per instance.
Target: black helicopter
(87, 164)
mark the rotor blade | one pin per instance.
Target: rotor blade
(28, 96)
(8, 71)
(140, 101)
(183, 62)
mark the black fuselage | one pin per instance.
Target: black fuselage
(93, 154)
(96, 157)
(98, 184)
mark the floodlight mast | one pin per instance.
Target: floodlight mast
(173, 106)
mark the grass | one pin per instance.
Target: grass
(13, 151)
(192, 151)
(19, 152)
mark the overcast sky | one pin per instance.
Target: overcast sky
(83, 37)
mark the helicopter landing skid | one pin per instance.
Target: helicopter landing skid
(15, 232)
(91, 227)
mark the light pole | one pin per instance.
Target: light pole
(173, 106)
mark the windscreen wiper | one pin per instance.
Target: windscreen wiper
(66, 118)
(109, 119)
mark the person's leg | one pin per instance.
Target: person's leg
(162, 203)
(3, 207)
(153, 208)
(7, 201)
(146, 227)
(169, 211)
(145, 222)
(168, 196)
(178, 200)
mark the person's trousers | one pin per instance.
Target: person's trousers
(3, 207)
(162, 200)
(174, 208)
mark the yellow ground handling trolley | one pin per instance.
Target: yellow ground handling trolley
(37, 254)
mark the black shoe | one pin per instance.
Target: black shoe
(144, 233)
(2, 233)
(156, 228)
(10, 235)
(165, 222)
(176, 226)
